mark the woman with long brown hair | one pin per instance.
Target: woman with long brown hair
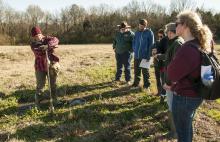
(185, 66)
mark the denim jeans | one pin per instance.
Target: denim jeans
(169, 95)
(123, 59)
(183, 109)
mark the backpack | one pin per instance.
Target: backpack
(211, 91)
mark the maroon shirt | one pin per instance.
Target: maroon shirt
(40, 55)
(187, 62)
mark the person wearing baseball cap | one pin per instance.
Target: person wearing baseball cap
(39, 45)
(122, 45)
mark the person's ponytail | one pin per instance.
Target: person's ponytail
(205, 37)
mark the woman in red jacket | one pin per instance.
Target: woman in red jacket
(185, 65)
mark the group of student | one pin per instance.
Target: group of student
(177, 63)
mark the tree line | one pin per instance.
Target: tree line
(97, 24)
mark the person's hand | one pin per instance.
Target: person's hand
(155, 56)
(166, 87)
(154, 51)
(43, 47)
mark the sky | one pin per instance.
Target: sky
(56, 5)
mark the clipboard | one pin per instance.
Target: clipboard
(144, 64)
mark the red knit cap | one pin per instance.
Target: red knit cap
(35, 31)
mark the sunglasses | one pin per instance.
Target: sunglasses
(177, 23)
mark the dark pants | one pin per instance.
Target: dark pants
(162, 91)
(123, 59)
(160, 80)
(183, 109)
(157, 75)
(137, 74)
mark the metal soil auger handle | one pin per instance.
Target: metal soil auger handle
(49, 87)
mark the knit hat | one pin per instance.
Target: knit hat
(143, 22)
(35, 31)
(170, 27)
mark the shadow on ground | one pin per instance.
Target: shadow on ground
(121, 122)
(26, 96)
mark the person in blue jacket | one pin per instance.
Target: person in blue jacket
(142, 44)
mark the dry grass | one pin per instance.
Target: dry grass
(18, 61)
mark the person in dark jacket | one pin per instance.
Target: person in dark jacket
(39, 45)
(159, 57)
(142, 44)
(174, 44)
(186, 65)
(122, 46)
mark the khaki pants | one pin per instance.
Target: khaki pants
(41, 79)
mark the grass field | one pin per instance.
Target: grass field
(112, 112)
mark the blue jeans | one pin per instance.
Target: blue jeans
(123, 59)
(183, 109)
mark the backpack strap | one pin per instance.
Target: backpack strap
(212, 47)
